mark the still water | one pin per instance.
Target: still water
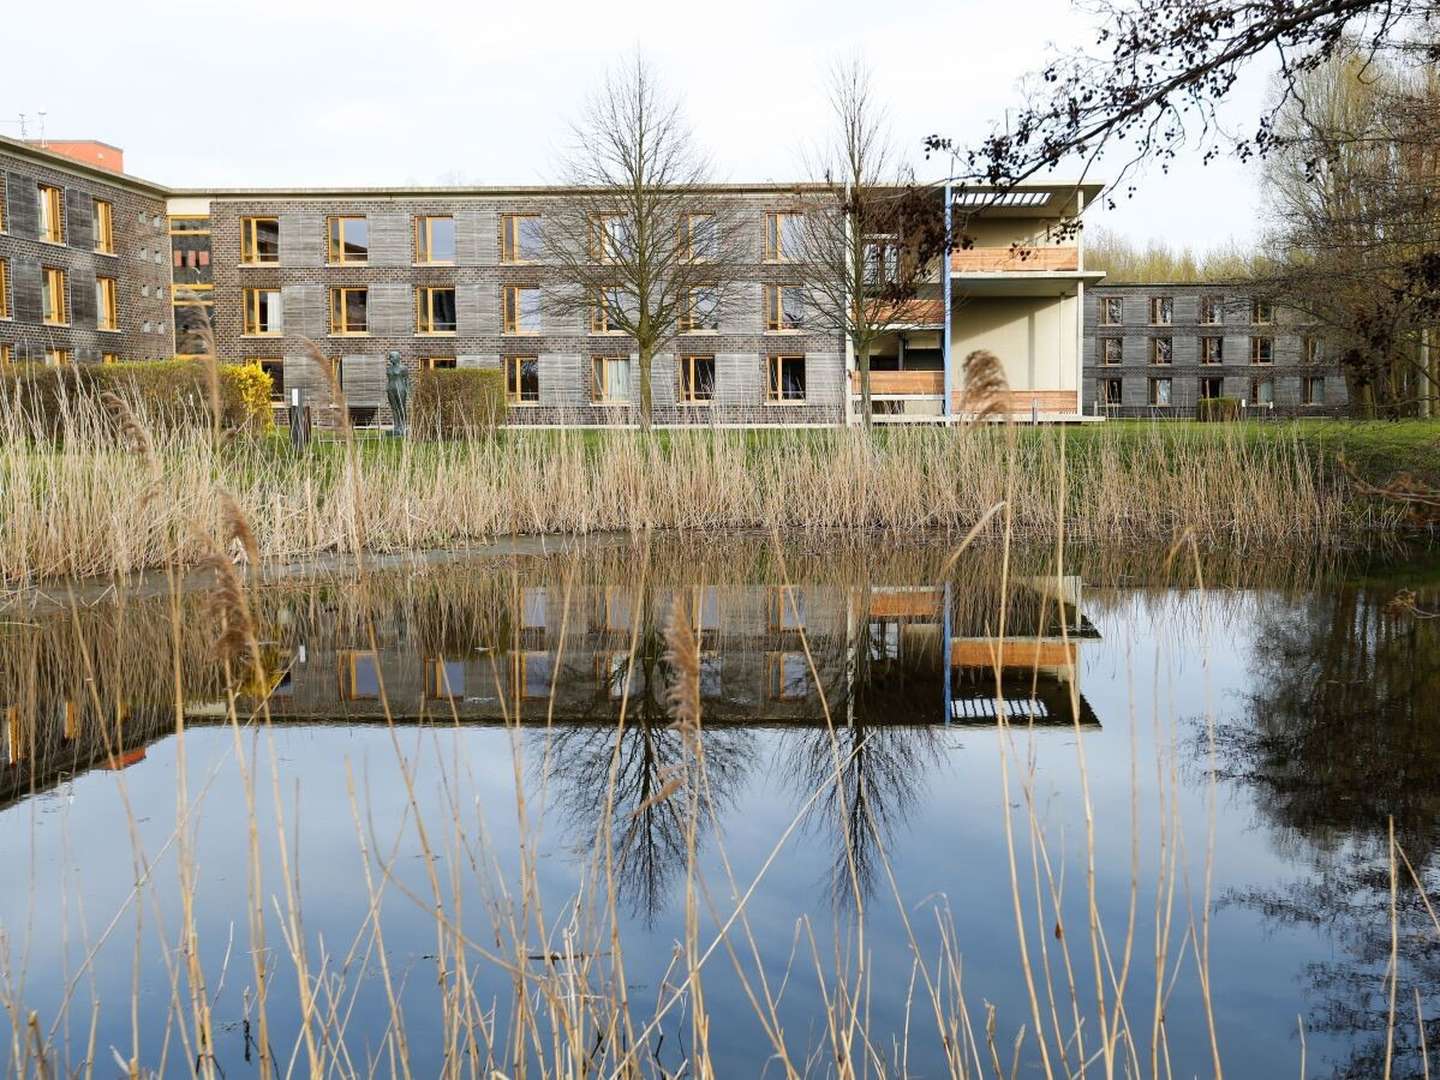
(1213, 749)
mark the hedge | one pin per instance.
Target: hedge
(167, 391)
(457, 401)
(1220, 408)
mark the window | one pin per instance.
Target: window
(52, 215)
(701, 242)
(435, 239)
(697, 379)
(1262, 391)
(519, 238)
(260, 241)
(532, 607)
(1112, 310)
(522, 380)
(605, 310)
(3, 217)
(444, 678)
(349, 311)
(786, 607)
(787, 676)
(882, 262)
(359, 675)
(109, 358)
(786, 378)
(610, 239)
(1262, 312)
(782, 237)
(1212, 386)
(522, 309)
(434, 310)
(1112, 350)
(1162, 350)
(349, 239)
(6, 356)
(1160, 392)
(264, 311)
(1262, 350)
(702, 312)
(534, 674)
(1314, 351)
(1212, 310)
(1162, 310)
(610, 380)
(54, 297)
(107, 311)
(1313, 390)
(57, 357)
(784, 307)
(104, 219)
(276, 370)
(1212, 350)
(438, 363)
(1110, 391)
(4, 289)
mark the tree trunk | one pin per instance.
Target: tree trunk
(863, 360)
(646, 352)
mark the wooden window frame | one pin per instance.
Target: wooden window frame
(775, 310)
(1105, 342)
(4, 204)
(1205, 343)
(1200, 394)
(1255, 384)
(774, 384)
(425, 310)
(277, 389)
(339, 325)
(1105, 302)
(1255, 350)
(250, 326)
(785, 609)
(775, 236)
(437, 678)
(1214, 308)
(690, 237)
(4, 288)
(510, 247)
(348, 672)
(688, 384)
(1155, 350)
(599, 249)
(104, 221)
(600, 314)
(1260, 308)
(512, 312)
(1152, 395)
(56, 357)
(439, 363)
(250, 254)
(7, 355)
(600, 392)
(425, 239)
(1311, 350)
(335, 240)
(1106, 381)
(56, 282)
(1157, 307)
(689, 321)
(107, 303)
(109, 358)
(52, 199)
(520, 664)
(776, 688)
(1308, 399)
(514, 365)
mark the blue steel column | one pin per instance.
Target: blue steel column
(945, 647)
(945, 333)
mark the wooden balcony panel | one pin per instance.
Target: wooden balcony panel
(908, 603)
(1018, 402)
(1005, 260)
(926, 383)
(917, 312)
(1018, 654)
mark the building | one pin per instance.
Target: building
(1156, 350)
(104, 266)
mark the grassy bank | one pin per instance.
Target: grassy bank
(108, 499)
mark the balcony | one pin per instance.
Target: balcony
(1015, 260)
(902, 383)
(919, 313)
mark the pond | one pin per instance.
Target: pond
(941, 812)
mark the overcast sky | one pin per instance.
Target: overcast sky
(385, 93)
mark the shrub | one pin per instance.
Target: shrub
(168, 392)
(457, 401)
(1216, 409)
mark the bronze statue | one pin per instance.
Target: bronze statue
(397, 391)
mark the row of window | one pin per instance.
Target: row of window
(55, 298)
(610, 378)
(52, 230)
(53, 356)
(1212, 350)
(435, 310)
(1162, 311)
(347, 238)
(1262, 391)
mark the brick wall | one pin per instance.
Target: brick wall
(563, 345)
(1236, 329)
(140, 264)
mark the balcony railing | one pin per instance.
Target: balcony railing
(1010, 260)
(908, 383)
(920, 311)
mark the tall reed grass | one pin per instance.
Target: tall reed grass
(107, 497)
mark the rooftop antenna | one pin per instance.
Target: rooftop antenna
(42, 130)
(22, 127)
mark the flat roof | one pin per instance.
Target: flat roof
(69, 164)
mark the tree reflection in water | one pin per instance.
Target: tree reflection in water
(1343, 735)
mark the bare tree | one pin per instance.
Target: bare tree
(855, 238)
(643, 245)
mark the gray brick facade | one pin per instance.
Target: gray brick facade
(1131, 352)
